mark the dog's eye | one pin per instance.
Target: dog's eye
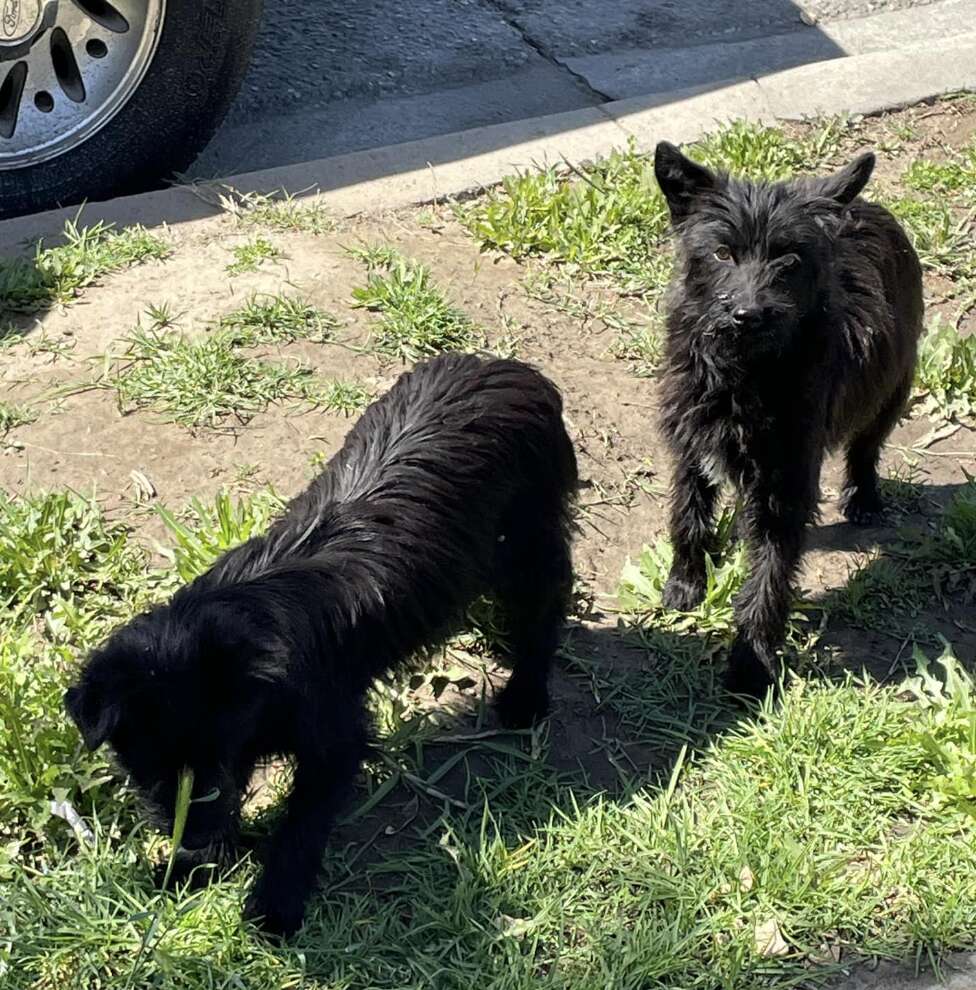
(722, 253)
(788, 260)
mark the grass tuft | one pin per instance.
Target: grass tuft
(945, 378)
(345, 398)
(67, 575)
(767, 153)
(939, 236)
(642, 583)
(58, 553)
(282, 212)
(608, 220)
(248, 257)
(415, 319)
(13, 415)
(58, 274)
(204, 532)
(277, 319)
(200, 381)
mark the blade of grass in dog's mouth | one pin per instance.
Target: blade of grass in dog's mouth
(184, 791)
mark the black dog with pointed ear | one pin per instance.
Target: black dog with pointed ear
(455, 484)
(792, 328)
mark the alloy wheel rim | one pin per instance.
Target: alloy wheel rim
(66, 69)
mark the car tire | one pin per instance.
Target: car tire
(202, 50)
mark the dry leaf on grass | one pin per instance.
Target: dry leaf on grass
(769, 939)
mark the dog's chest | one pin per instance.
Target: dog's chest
(725, 437)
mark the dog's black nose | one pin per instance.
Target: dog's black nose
(745, 316)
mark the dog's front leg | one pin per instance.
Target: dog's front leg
(294, 853)
(690, 525)
(775, 520)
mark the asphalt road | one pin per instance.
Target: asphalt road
(332, 76)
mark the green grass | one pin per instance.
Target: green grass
(67, 574)
(206, 380)
(940, 236)
(642, 583)
(829, 817)
(954, 176)
(415, 318)
(938, 211)
(892, 588)
(202, 533)
(768, 153)
(888, 590)
(680, 830)
(282, 212)
(58, 552)
(248, 257)
(939, 177)
(13, 415)
(610, 220)
(57, 274)
(200, 381)
(345, 398)
(842, 819)
(278, 319)
(641, 345)
(945, 379)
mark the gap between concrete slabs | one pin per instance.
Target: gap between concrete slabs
(454, 164)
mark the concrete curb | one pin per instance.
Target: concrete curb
(454, 164)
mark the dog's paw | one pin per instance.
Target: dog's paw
(747, 675)
(520, 705)
(189, 869)
(276, 916)
(681, 595)
(862, 509)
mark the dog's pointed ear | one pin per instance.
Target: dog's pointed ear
(96, 718)
(681, 180)
(844, 185)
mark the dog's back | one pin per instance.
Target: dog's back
(459, 427)
(879, 311)
(452, 444)
(461, 454)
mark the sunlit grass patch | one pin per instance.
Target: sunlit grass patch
(277, 319)
(415, 319)
(945, 378)
(249, 256)
(200, 381)
(57, 274)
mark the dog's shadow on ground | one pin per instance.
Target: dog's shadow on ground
(907, 587)
(628, 702)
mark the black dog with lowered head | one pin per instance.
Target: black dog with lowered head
(792, 328)
(457, 483)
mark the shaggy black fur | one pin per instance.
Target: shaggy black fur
(792, 328)
(456, 483)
